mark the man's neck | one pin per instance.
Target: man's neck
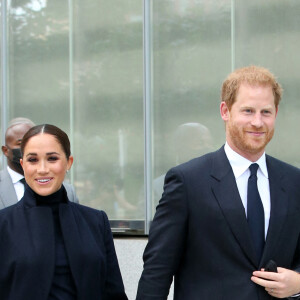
(248, 155)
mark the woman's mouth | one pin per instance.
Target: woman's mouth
(43, 180)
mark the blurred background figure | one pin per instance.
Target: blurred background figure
(190, 140)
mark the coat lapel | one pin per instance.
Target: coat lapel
(279, 208)
(72, 240)
(227, 195)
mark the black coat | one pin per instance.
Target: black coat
(27, 251)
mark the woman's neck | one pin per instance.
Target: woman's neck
(55, 198)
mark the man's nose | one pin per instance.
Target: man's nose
(257, 120)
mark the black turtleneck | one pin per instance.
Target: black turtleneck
(63, 287)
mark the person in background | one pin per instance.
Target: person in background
(224, 216)
(12, 178)
(190, 140)
(52, 248)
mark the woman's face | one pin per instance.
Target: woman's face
(45, 164)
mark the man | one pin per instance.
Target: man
(204, 233)
(12, 178)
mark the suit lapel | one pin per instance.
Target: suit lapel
(7, 191)
(227, 195)
(279, 207)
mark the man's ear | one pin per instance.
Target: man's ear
(4, 150)
(224, 111)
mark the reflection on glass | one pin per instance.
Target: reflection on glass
(191, 56)
(190, 140)
(106, 40)
(108, 100)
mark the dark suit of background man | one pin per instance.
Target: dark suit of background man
(201, 232)
(11, 186)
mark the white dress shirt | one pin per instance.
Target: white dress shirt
(240, 167)
(18, 185)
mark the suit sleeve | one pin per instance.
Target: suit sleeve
(114, 288)
(296, 263)
(166, 240)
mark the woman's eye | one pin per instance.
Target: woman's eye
(31, 159)
(52, 158)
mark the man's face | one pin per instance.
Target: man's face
(13, 141)
(251, 120)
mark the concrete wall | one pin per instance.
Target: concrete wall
(130, 252)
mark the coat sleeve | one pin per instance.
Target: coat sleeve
(166, 240)
(114, 288)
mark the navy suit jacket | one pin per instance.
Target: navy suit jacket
(27, 249)
(200, 233)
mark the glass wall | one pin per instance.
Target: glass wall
(136, 85)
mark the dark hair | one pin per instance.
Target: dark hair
(60, 136)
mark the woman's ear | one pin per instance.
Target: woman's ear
(70, 162)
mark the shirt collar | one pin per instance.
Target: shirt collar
(240, 164)
(15, 176)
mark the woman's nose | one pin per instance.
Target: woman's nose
(42, 167)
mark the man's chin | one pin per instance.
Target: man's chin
(256, 148)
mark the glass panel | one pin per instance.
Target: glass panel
(106, 56)
(1, 94)
(267, 34)
(38, 61)
(191, 57)
(108, 91)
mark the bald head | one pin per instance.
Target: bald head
(13, 138)
(20, 120)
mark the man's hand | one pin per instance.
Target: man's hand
(283, 284)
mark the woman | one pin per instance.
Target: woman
(51, 248)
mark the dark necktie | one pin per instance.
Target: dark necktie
(23, 180)
(255, 212)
